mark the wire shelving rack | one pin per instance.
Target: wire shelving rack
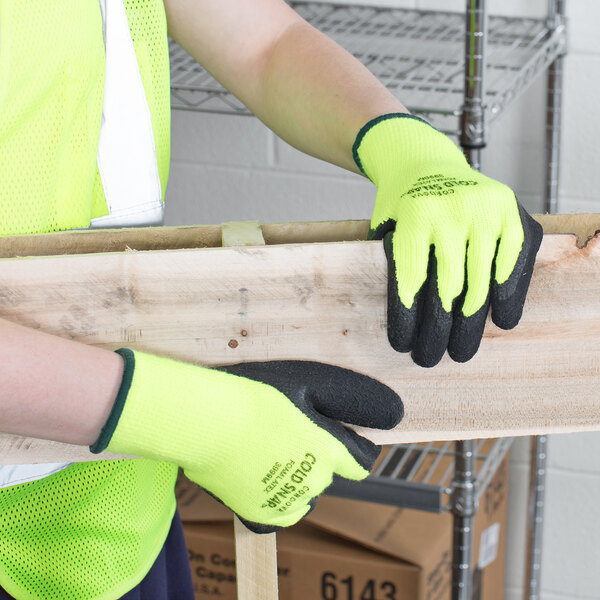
(421, 56)
(424, 478)
(418, 55)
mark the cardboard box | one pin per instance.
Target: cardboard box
(350, 550)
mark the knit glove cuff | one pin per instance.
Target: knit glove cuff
(404, 145)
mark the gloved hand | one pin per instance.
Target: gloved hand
(263, 438)
(455, 240)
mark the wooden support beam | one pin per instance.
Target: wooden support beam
(255, 564)
(255, 555)
(316, 301)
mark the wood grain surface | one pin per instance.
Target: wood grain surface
(323, 301)
(255, 564)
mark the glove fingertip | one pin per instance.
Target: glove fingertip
(392, 413)
(507, 319)
(379, 407)
(423, 359)
(466, 334)
(508, 298)
(373, 403)
(463, 354)
(354, 398)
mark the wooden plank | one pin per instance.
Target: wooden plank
(326, 302)
(110, 240)
(255, 564)
(209, 236)
(255, 555)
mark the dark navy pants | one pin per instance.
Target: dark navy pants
(169, 578)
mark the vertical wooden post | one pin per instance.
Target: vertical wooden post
(256, 564)
(255, 555)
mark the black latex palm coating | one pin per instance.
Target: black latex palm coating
(327, 395)
(508, 298)
(467, 332)
(435, 324)
(428, 330)
(259, 527)
(425, 327)
(402, 322)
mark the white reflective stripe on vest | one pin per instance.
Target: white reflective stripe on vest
(126, 151)
(126, 161)
(15, 474)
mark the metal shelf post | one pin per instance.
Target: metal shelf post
(464, 507)
(472, 140)
(538, 454)
(535, 516)
(556, 22)
(472, 125)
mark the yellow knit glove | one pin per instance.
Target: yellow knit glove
(456, 240)
(263, 438)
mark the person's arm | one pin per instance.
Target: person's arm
(302, 85)
(231, 429)
(55, 389)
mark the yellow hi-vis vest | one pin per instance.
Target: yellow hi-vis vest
(84, 114)
(84, 141)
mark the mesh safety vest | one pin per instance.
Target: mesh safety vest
(84, 141)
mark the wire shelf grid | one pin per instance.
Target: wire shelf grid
(420, 476)
(418, 55)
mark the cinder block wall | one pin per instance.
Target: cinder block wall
(233, 168)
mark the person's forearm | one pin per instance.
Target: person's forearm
(53, 388)
(317, 96)
(300, 83)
